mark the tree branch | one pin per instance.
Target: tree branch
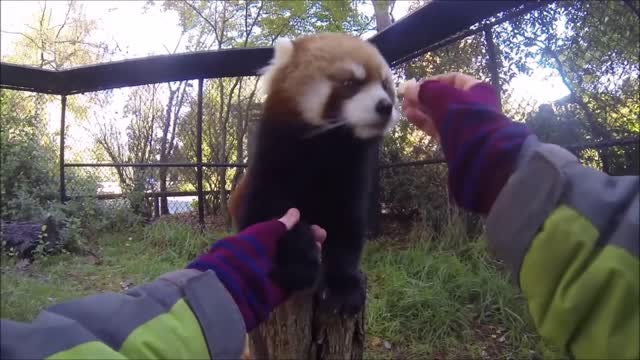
(66, 18)
(201, 15)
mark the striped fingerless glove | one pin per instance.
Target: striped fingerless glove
(242, 263)
(481, 145)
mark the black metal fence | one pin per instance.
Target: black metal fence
(464, 20)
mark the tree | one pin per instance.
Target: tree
(593, 46)
(135, 145)
(29, 160)
(53, 45)
(173, 107)
(27, 147)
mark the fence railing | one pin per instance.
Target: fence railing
(407, 39)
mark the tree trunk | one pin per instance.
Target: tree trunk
(381, 12)
(164, 203)
(493, 64)
(300, 329)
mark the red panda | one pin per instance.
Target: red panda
(330, 99)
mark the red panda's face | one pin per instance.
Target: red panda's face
(333, 80)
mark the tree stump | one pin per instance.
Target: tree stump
(300, 329)
(24, 237)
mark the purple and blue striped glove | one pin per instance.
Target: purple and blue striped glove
(243, 262)
(481, 145)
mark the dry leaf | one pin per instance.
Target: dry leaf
(376, 341)
(126, 284)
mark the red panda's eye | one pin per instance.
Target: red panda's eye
(348, 84)
(350, 87)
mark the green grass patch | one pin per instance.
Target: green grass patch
(123, 259)
(428, 296)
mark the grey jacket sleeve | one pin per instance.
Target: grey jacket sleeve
(570, 235)
(183, 314)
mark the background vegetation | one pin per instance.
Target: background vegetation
(433, 289)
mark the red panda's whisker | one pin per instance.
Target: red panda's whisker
(324, 129)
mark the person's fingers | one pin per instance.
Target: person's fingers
(415, 115)
(457, 80)
(290, 218)
(319, 235)
(418, 118)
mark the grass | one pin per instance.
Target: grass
(440, 297)
(428, 296)
(123, 259)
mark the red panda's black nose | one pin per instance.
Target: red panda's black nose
(384, 107)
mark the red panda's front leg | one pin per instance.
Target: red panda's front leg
(297, 262)
(344, 288)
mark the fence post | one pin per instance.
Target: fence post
(63, 111)
(492, 64)
(199, 155)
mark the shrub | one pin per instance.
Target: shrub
(29, 179)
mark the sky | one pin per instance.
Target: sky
(151, 32)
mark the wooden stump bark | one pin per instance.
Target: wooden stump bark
(300, 329)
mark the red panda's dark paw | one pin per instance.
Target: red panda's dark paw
(296, 276)
(345, 296)
(297, 262)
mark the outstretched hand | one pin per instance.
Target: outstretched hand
(242, 263)
(417, 113)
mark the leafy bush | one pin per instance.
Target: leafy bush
(28, 161)
(413, 193)
(29, 180)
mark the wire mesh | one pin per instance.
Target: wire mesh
(154, 191)
(567, 69)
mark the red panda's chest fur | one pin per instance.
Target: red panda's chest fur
(323, 174)
(328, 178)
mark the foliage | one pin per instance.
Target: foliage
(593, 46)
(27, 159)
(30, 177)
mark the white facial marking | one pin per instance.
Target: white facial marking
(313, 101)
(282, 53)
(359, 112)
(358, 71)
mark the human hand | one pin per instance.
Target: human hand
(480, 144)
(419, 114)
(243, 261)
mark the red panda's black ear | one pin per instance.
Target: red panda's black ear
(282, 53)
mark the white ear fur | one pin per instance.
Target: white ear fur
(282, 52)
